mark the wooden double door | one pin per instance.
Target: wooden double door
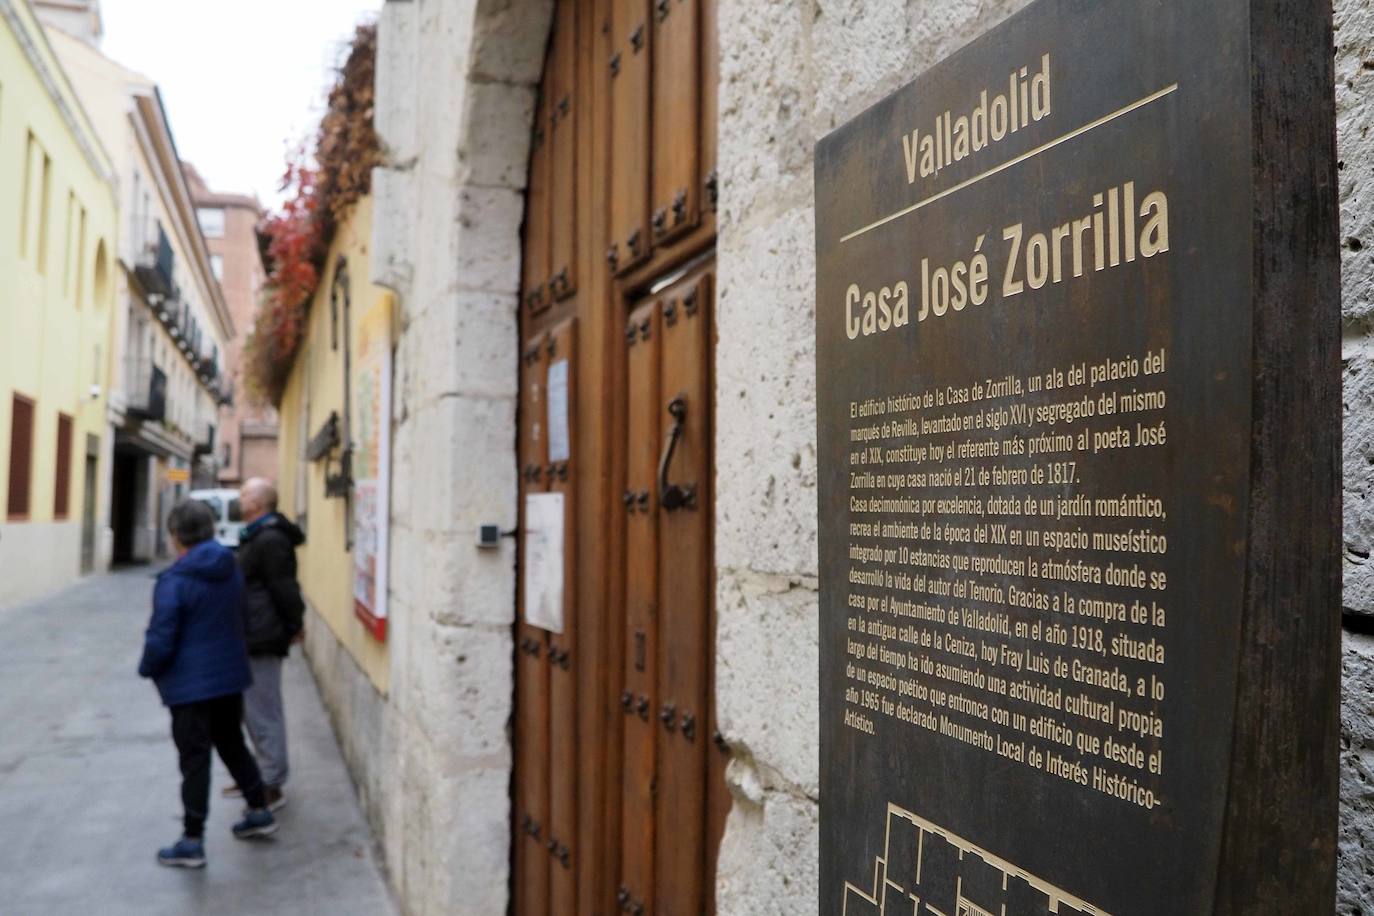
(618, 796)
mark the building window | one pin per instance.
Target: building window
(217, 266)
(45, 204)
(80, 255)
(61, 504)
(71, 240)
(211, 222)
(21, 458)
(37, 165)
(102, 269)
(26, 199)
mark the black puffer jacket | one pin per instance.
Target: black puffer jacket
(274, 611)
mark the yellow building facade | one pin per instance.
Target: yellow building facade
(58, 239)
(334, 449)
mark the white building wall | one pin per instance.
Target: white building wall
(38, 557)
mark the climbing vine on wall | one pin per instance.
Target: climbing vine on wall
(321, 184)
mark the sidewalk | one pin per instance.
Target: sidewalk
(89, 787)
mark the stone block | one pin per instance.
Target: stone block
(495, 151)
(457, 582)
(1358, 458)
(474, 876)
(461, 344)
(1354, 21)
(766, 93)
(767, 647)
(769, 859)
(464, 466)
(460, 681)
(846, 81)
(487, 241)
(1355, 867)
(435, 242)
(393, 214)
(765, 398)
(397, 115)
(509, 41)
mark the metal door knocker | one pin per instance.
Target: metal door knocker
(673, 496)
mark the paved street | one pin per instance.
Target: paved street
(89, 784)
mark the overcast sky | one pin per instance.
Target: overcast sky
(242, 80)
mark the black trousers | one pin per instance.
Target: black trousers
(196, 728)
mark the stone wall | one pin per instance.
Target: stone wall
(432, 758)
(1355, 154)
(790, 73)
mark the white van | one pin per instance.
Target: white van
(228, 515)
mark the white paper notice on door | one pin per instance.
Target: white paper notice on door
(560, 445)
(544, 561)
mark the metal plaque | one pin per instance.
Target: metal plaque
(1035, 295)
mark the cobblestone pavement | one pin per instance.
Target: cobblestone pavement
(89, 787)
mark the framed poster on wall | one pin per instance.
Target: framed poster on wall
(371, 429)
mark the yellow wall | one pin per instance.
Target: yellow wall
(315, 388)
(56, 303)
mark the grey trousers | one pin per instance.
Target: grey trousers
(266, 719)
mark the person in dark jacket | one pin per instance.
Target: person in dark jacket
(275, 612)
(195, 653)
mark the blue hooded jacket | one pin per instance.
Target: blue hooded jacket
(194, 649)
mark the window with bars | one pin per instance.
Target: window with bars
(62, 496)
(21, 458)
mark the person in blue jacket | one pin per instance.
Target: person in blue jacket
(196, 654)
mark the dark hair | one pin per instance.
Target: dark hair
(191, 522)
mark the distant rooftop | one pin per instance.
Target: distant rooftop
(204, 196)
(78, 18)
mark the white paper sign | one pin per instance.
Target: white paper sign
(560, 446)
(544, 561)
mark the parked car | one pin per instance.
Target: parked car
(228, 514)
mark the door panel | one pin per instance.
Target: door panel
(676, 92)
(710, 105)
(559, 422)
(684, 598)
(618, 804)
(630, 72)
(535, 265)
(639, 696)
(563, 117)
(531, 809)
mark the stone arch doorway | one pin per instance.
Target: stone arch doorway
(618, 792)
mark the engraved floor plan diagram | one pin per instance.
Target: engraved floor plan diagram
(926, 870)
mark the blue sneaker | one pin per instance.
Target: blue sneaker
(255, 823)
(184, 853)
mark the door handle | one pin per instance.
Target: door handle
(673, 496)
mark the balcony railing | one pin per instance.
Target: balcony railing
(155, 266)
(147, 392)
(205, 439)
(207, 367)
